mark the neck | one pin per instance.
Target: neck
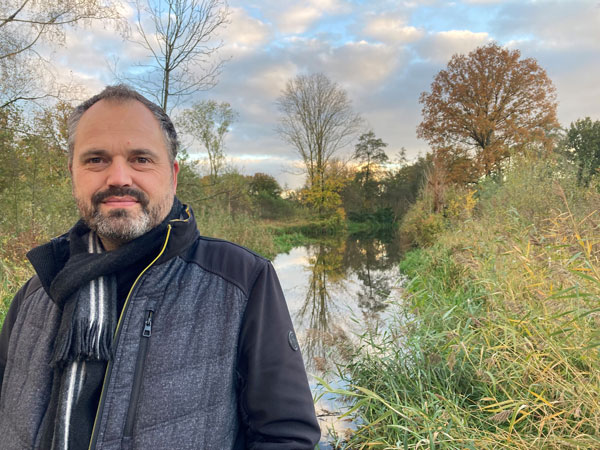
(110, 244)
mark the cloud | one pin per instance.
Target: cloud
(483, 2)
(298, 19)
(391, 30)
(245, 32)
(360, 65)
(552, 23)
(293, 17)
(440, 46)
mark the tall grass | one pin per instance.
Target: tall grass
(498, 342)
(14, 267)
(242, 229)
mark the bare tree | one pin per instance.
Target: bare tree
(317, 119)
(178, 34)
(209, 122)
(26, 23)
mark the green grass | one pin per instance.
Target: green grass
(497, 342)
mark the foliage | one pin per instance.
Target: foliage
(420, 225)
(189, 187)
(369, 152)
(208, 122)
(177, 35)
(488, 105)
(261, 183)
(439, 206)
(400, 187)
(35, 189)
(496, 344)
(317, 120)
(582, 145)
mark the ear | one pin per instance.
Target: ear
(175, 172)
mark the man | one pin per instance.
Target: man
(136, 332)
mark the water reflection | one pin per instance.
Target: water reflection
(336, 289)
(372, 260)
(326, 277)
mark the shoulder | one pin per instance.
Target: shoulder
(34, 284)
(30, 288)
(230, 261)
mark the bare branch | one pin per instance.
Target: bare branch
(178, 36)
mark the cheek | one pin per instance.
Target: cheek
(84, 184)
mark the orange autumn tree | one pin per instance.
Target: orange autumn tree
(488, 105)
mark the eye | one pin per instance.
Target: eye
(142, 160)
(94, 160)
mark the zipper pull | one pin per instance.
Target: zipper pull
(148, 325)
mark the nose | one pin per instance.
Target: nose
(119, 173)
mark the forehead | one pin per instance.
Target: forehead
(119, 121)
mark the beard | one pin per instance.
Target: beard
(123, 225)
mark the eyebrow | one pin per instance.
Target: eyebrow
(101, 152)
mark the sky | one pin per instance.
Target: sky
(383, 53)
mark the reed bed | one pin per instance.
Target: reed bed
(497, 344)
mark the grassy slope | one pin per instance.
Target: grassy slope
(497, 345)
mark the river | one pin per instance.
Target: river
(336, 290)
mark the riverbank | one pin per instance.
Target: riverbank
(497, 342)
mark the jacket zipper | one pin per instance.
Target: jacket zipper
(117, 334)
(139, 372)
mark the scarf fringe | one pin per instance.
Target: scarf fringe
(81, 345)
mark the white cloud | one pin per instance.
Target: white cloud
(245, 32)
(298, 19)
(391, 30)
(439, 47)
(293, 17)
(360, 64)
(268, 82)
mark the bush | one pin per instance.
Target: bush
(421, 225)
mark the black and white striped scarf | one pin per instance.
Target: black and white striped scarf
(86, 334)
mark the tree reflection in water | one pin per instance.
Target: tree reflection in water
(348, 284)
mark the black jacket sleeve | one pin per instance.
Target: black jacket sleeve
(9, 321)
(276, 403)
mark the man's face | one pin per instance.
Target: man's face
(123, 181)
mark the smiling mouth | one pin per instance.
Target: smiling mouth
(120, 202)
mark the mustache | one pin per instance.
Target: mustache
(115, 191)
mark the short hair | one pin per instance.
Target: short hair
(123, 93)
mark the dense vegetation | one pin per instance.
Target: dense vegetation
(496, 345)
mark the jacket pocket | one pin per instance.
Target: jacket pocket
(139, 373)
